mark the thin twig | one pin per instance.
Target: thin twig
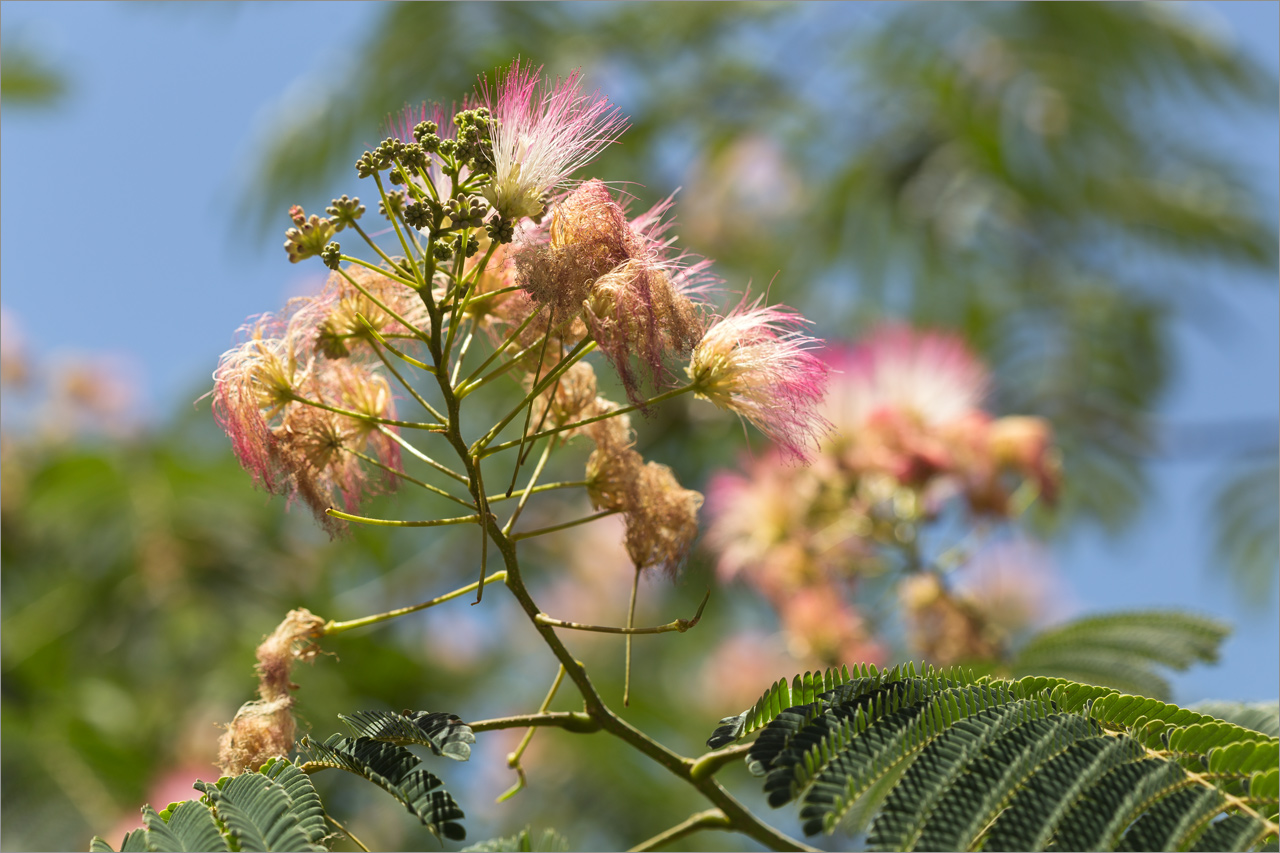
(529, 534)
(709, 819)
(332, 627)
(395, 522)
(679, 625)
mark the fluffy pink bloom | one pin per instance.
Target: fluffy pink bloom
(541, 134)
(621, 277)
(752, 516)
(289, 447)
(930, 376)
(757, 363)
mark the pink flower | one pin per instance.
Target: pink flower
(931, 377)
(756, 362)
(621, 277)
(541, 134)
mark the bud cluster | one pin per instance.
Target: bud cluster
(497, 237)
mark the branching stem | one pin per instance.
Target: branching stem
(396, 522)
(529, 534)
(679, 625)
(709, 819)
(332, 627)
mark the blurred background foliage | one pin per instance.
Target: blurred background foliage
(1015, 172)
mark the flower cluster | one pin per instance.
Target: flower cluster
(908, 440)
(301, 398)
(499, 238)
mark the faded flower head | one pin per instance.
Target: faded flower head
(757, 363)
(620, 277)
(264, 728)
(662, 520)
(541, 134)
(290, 447)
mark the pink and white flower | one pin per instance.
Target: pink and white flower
(541, 134)
(756, 362)
(930, 377)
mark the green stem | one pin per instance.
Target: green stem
(403, 356)
(418, 454)
(706, 766)
(462, 389)
(417, 285)
(332, 627)
(462, 354)
(382, 271)
(403, 476)
(393, 522)
(545, 487)
(529, 534)
(680, 625)
(573, 721)
(515, 442)
(372, 419)
(631, 621)
(347, 833)
(408, 255)
(528, 488)
(583, 347)
(709, 819)
(431, 410)
(513, 760)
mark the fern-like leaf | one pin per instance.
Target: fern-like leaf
(944, 760)
(445, 734)
(259, 813)
(392, 768)
(306, 802)
(1123, 650)
(1262, 717)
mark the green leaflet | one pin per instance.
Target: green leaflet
(274, 809)
(258, 813)
(1262, 717)
(1122, 650)
(943, 760)
(445, 734)
(394, 769)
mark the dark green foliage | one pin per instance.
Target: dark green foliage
(948, 761)
(394, 769)
(1122, 650)
(276, 808)
(445, 734)
(259, 813)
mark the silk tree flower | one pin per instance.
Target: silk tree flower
(905, 403)
(254, 383)
(318, 446)
(662, 520)
(620, 276)
(932, 377)
(541, 134)
(289, 447)
(337, 307)
(757, 363)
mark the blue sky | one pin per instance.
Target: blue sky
(118, 239)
